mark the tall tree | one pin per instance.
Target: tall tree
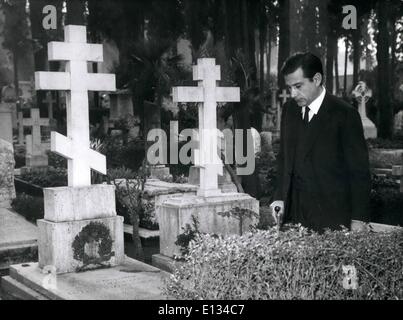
(75, 12)
(384, 87)
(284, 38)
(16, 33)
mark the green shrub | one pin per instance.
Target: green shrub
(32, 208)
(386, 201)
(295, 264)
(56, 161)
(51, 177)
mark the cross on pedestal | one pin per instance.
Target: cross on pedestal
(207, 73)
(77, 82)
(362, 94)
(284, 96)
(36, 122)
(49, 101)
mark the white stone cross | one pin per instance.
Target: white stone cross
(77, 82)
(362, 93)
(284, 96)
(207, 94)
(49, 101)
(36, 122)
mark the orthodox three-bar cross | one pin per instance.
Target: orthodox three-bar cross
(207, 94)
(77, 82)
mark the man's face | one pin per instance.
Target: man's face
(303, 90)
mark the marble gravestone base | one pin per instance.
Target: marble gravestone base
(225, 183)
(80, 230)
(213, 214)
(7, 162)
(132, 280)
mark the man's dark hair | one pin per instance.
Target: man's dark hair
(308, 62)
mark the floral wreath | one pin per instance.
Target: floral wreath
(94, 231)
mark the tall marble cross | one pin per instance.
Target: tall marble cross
(207, 94)
(77, 82)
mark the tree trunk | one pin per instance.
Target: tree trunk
(75, 12)
(336, 67)
(329, 60)
(345, 68)
(138, 248)
(268, 55)
(284, 44)
(384, 88)
(356, 55)
(262, 42)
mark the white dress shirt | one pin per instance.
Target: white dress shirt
(315, 105)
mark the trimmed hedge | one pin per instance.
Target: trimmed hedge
(32, 208)
(296, 264)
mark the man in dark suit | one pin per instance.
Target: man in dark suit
(323, 169)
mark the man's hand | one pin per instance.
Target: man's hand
(279, 213)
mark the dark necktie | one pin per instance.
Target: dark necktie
(306, 115)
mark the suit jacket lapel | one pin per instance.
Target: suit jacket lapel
(317, 124)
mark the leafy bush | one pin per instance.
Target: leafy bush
(295, 264)
(51, 177)
(386, 201)
(119, 152)
(32, 208)
(56, 161)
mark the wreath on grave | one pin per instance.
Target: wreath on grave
(93, 232)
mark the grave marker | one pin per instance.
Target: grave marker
(207, 94)
(36, 151)
(77, 82)
(362, 94)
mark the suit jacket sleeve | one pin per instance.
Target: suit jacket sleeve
(356, 158)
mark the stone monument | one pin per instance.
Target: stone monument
(7, 110)
(216, 212)
(362, 94)
(36, 155)
(7, 190)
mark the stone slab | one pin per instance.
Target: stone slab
(132, 280)
(397, 171)
(7, 162)
(159, 172)
(225, 183)
(15, 230)
(212, 214)
(17, 290)
(165, 263)
(57, 239)
(79, 203)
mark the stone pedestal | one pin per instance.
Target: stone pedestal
(6, 121)
(215, 215)
(7, 162)
(159, 172)
(81, 230)
(370, 131)
(225, 183)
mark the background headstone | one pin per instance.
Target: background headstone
(7, 162)
(362, 94)
(6, 121)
